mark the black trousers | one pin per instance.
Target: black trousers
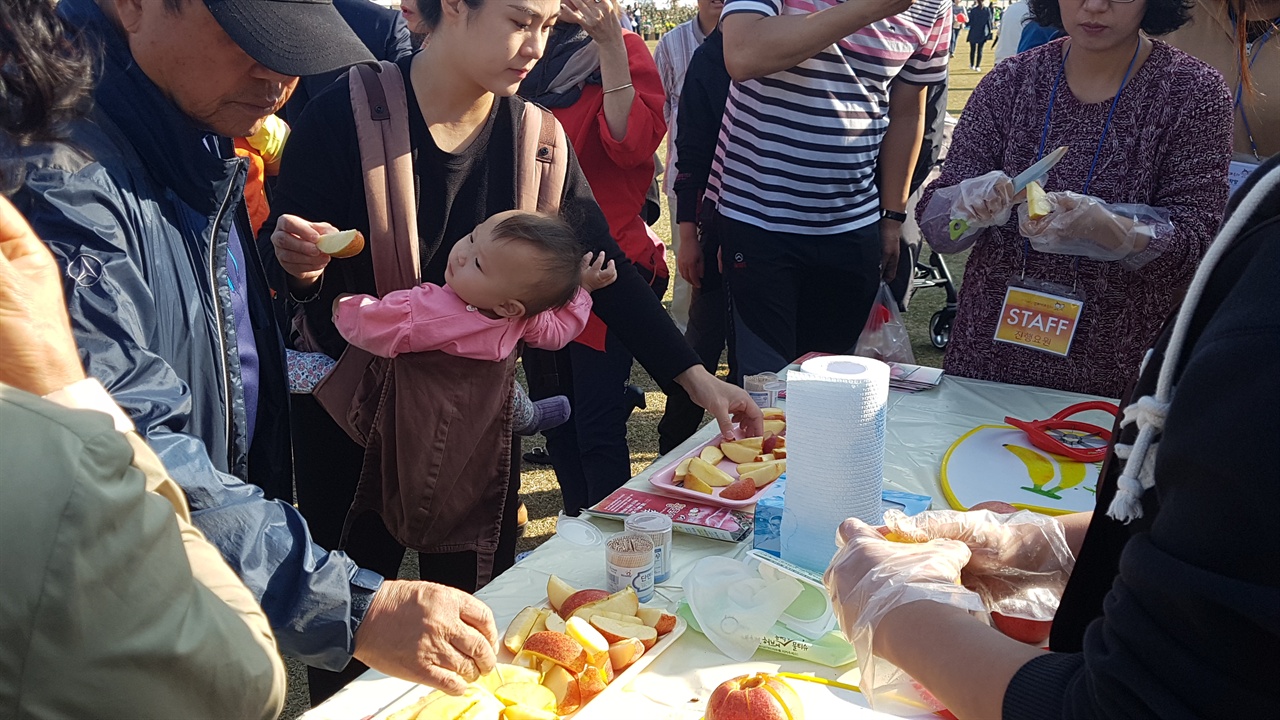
(706, 332)
(792, 294)
(975, 52)
(326, 469)
(589, 452)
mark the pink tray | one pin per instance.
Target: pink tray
(665, 480)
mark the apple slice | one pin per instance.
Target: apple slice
(764, 475)
(693, 483)
(521, 627)
(623, 618)
(558, 648)
(709, 474)
(773, 413)
(766, 458)
(578, 599)
(737, 452)
(558, 591)
(556, 623)
(438, 704)
(711, 455)
(504, 673)
(615, 631)
(341, 244)
(564, 686)
(780, 453)
(770, 444)
(591, 683)
(541, 623)
(777, 427)
(752, 442)
(625, 652)
(590, 639)
(624, 602)
(682, 470)
(532, 695)
(741, 489)
(744, 468)
(521, 712)
(486, 707)
(658, 619)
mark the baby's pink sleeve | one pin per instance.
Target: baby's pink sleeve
(415, 320)
(553, 329)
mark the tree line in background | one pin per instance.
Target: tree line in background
(657, 19)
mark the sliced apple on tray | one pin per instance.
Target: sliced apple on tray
(578, 599)
(709, 474)
(763, 475)
(526, 694)
(520, 629)
(660, 620)
(623, 653)
(711, 455)
(558, 591)
(616, 631)
(741, 489)
(624, 602)
(738, 452)
(559, 648)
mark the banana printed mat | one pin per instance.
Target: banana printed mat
(998, 462)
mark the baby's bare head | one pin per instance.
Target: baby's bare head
(553, 277)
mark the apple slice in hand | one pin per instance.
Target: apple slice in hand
(341, 244)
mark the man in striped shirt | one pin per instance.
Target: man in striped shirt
(823, 92)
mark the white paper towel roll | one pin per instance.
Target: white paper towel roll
(836, 409)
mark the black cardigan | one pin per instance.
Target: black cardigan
(1178, 613)
(702, 101)
(320, 180)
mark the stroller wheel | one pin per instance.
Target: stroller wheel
(940, 329)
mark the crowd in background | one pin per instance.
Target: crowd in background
(276, 426)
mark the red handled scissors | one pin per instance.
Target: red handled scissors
(1080, 441)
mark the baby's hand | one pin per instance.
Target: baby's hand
(596, 272)
(338, 300)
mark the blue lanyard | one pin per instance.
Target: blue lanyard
(1048, 113)
(1106, 128)
(1244, 117)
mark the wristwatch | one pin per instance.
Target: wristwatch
(893, 215)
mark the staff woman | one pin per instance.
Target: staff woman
(1071, 300)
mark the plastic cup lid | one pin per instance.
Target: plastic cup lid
(578, 531)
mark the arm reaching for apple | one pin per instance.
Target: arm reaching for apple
(729, 404)
(428, 633)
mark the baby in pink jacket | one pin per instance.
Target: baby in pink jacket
(517, 276)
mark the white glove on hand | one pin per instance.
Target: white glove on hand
(981, 202)
(1085, 226)
(871, 575)
(1019, 563)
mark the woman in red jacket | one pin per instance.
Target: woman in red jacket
(601, 83)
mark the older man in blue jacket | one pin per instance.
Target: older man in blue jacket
(171, 309)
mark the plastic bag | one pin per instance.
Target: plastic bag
(1085, 226)
(735, 606)
(884, 337)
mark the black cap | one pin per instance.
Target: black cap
(291, 37)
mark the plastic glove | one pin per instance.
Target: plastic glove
(1019, 563)
(871, 575)
(1085, 226)
(981, 202)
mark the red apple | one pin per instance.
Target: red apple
(769, 443)
(754, 697)
(578, 599)
(1032, 632)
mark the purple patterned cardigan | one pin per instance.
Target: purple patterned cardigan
(1168, 147)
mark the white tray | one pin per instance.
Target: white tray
(417, 692)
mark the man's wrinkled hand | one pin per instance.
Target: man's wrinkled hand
(38, 350)
(428, 633)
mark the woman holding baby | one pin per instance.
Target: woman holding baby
(464, 123)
